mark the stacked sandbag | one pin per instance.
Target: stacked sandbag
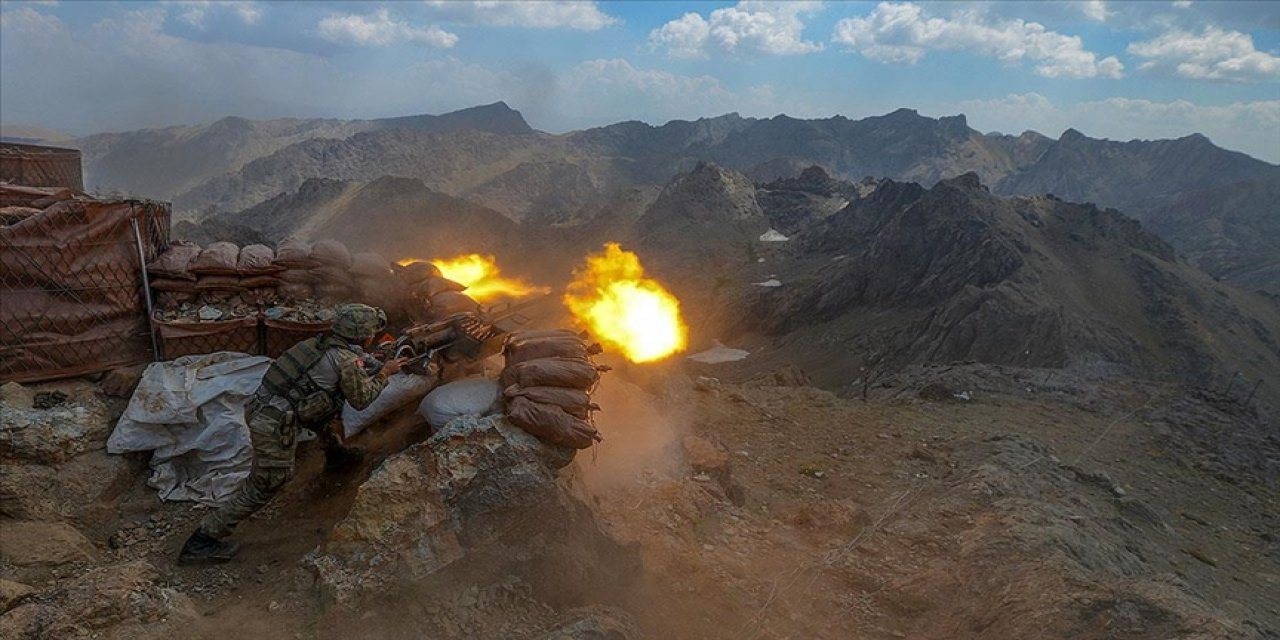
(170, 274)
(435, 294)
(293, 258)
(258, 274)
(547, 383)
(215, 269)
(375, 283)
(332, 273)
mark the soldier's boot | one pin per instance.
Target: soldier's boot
(338, 457)
(202, 548)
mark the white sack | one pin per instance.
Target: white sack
(475, 397)
(190, 414)
(718, 354)
(401, 389)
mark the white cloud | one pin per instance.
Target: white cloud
(901, 33)
(380, 29)
(194, 12)
(549, 14)
(1214, 54)
(1096, 10)
(1252, 127)
(772, 28)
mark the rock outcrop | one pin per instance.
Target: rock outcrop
(906, 274)
(113, 602)
(76, 422)
(478, 500)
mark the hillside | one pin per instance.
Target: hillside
(398, 217)
(1231, 231)
(163, 163)
(906, 274)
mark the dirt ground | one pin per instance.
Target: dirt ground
(1073, 509)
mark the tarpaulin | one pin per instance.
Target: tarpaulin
(41, 166)
(190, 414)
(71, 289)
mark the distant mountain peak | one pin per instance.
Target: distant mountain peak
(1072, 135)
(968, 180)
(495, 117)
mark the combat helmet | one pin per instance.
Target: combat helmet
(356, 322)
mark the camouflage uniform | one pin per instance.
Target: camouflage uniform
(273, 429)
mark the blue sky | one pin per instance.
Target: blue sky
(1120, 70)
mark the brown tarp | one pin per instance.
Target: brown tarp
(71, 293)
(40, 166)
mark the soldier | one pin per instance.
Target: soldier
(304, 386)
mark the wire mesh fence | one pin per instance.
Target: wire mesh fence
(72, 299)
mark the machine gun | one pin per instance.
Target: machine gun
(467, 336)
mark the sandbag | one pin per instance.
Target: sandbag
(557, 347)
(257, 282)
(297, 276)
(331, 253)
(175, 262)
(170, 284)
(331, 275)
(447, 303)
(219, 258)
(294, 253)
(574, 402)
(436, 285)
(379, 292)
(401, 389)
(553, 372)
(332, 292)
(219, 283)
(416, 272)
(370, 265)
(257, 259)
(550, 423)
(467, 397)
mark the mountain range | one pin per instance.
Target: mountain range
(1212, 205)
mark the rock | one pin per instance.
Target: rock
(84, 490)
(711, 458)
(935, 392)
(475, 494)
(595, 623)
(789, 376)
(48, 399)
(58, 433)
(121, 381)
(27, 544)
(16, 396)
(12, 593)
(117, 601)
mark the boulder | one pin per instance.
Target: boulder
(121, 381)
(84, 490)
(12, 593)
(27, 544)
(55, 434)
(14, 395)
(116, 601)
(475, 499)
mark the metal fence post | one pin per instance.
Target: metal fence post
(146, 290)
